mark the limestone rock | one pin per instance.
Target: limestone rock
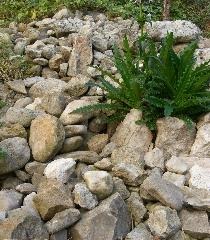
(12, 130)
(17, 154)
(26, 188)
(177, 179)
(60, 169)
(72, 144)
(112, 218)
(176, 165)
(163, 222)
(30, 81)
(23, 102)
(199, 177)
(108, 149)
(46, 137)
(55, 61)
(174, 137)
(75, 130)
(195, 223)
(140, 232)
(183, 31)
(18, 86)
(99, 182)
(120, 188)
(104, 164)
(52, 197)
(10, 199)
(61, 235)
(98, 142)
(35, 167)
(29, 206)
(63, 220)
(10, 183)
(155, 158)
(83, 197)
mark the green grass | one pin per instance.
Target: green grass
(28, 10)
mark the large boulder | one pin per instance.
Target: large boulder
(17, 154)
(109, 221)
(46, 137)
(183, 31)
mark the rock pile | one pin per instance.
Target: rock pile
(68, 175)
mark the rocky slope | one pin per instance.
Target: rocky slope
(68, 175)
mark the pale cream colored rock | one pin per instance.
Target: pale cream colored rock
(98, 142)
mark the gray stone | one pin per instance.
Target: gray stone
(131, 174)
(108, 149)
(63, 220)
(163, 222)
(26, 188)
(177, 179)
(72, 144)
(48, 51)
(155, 158)
(163, 191)
(35, 167)
(176, 165)
(41, 61)
(17, 85)
(29, 206)
(195, 223)
(104, 164)
(10, 183)
(140, 232)
(30, 81)
(17, 154)
(23, 102)
(12, 130)
(23, 176)
(55, 61)
(83, 197)
(98, 142)
(63, 13)
(75, 130)
(35, 50)
(112, 218)
(199, 177)
(52, 197)
(61, 235)
(120, 187)
(99, 182)
(10, 199)
(46, 137)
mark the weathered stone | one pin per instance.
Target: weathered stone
(30, 81)
(63, 220)
(75, 130)
(55, 61)
(26, 188)
(35, 167)
(17, 86)
(174, 137)
(98, 142)
(24, 226)
(12, 130)
(97, 125)
(48, 51)
(163, 222)
(10, 199)
(199, 177)
(108, 149)
(83, 197)
(52, 197)
(23, 102)
(202, 55)
(46, 137)
(126, 137)
(32, 34)
(63, 69)
(183, 31)
(69, 117)
(104, 164)
(81, 56)
(17, 154)
(22, 116)
(35, 50)
(120, 187)
(177, 179)
(63, 13)
(201, 145)
(60, 169)
(155, 158)
(61, 235)
(10, 183)
(112, 218)
(176, 165)
(136, 207)
(131, 174)
(29, 206)
(195, 223)
(164, 191)
(23, 176)
(140, 232)
(88, 157)
(99, 182)
(72, 144)
(49, 73)
(41, 61)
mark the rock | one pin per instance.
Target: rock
(61, 235)
(199, 177)
(177, 179)
(63, 69)
(41, 61)
(81, 56)
(48, 51)
(35, 50)
(35, 167)
(72, 144)
(100, 183)
(139, 232)
(108, 149)
(163, 191)
(23, 176)
(100, 43)
(176, 165)
(26, 188)
(17, 154)
(46, 137)
(163, 222)
(98, 142)
(129, 133)
(49, 73)
(10, 199)
(63, 13)
(83, 197)
(77, 86)
(174, 137)
(52, 197)
(29, 206)
(63, 220)
(195, 223)
(30, 81)
(136, 207)
(60, 169)
(23, 226)
(23, 116)
(11, 131)
(55, 61)
(97, 125)
(197, 198)
(201, 145)
(130, 174)
(112, 218)
(120, 188)
(104, 164)
(17, 85)
(19, 48)
(82, 156)
(23, 102)
(75, 130)
(32, 34)
(69, 117)
(202, 55)
(36, 179)
(183, 31)
(10, 183)
(155, 158)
